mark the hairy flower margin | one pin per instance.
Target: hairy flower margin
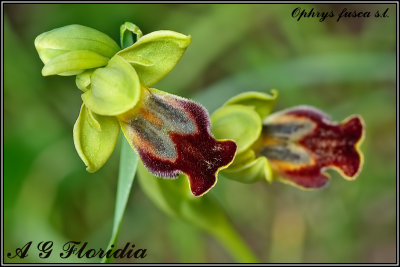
(171, 134)
(294, 146)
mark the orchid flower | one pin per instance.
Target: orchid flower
(171, 134)
(295, 145)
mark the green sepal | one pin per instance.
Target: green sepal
(95, 137)
(263, 103)
(69, 38)
(243, 158)
(238, 123)
(250, 172)
(114, 89)
(154, 55)
(73, 63)
(84, 79)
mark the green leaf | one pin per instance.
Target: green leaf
(239, 123)
(73, 63)
(95, 138)
(126, 175)
(114, 89)
(156, 54)
(261, 102)
(69, 38)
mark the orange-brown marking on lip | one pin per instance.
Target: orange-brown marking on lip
(151, 117)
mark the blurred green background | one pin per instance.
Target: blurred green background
(343, 68)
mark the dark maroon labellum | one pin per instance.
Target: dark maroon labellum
(172, 135)
(301, 142)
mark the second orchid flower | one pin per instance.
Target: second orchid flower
(295, 145)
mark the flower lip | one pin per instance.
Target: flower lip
(302, 142)
(172, 136)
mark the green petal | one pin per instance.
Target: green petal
(156, 54)
(239, 123)
(126, 32)
(73, 63)
(114, 89)
(250, 172)
(263, 103)
(71, 38)
(95, 137)
(84, 80)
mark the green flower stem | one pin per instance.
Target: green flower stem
(232, 242)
